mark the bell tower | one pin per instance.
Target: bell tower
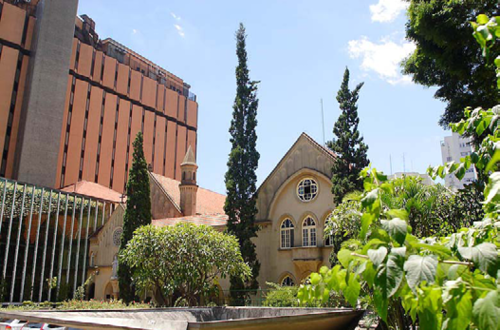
(188, 187)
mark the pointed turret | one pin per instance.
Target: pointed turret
(188, 187)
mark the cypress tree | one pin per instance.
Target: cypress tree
(240, 177)
(137, 213)
(348, 145)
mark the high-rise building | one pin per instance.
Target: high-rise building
(71, 104)
(453, 148)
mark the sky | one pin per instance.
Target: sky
(298, 50)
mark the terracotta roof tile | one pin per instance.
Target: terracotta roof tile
(207, 201)
(215, 220)
(95, 190)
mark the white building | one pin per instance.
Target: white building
(426, 179)
(453, 148)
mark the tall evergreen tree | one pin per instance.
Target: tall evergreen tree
(348, 145)
(240, 177)
(137, 213)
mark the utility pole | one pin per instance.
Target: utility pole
(404, 164)
(323, 122)
(390, 161)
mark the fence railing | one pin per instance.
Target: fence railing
(44, 240)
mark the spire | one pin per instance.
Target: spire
(188, 187)
(189, 159)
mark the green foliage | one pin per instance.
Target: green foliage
(282, 296)
(240, 205)
(447, 57)
(137, 213)
(78, 304)
(429, 210)
(449, 282)
(348, 144)
(183, 260)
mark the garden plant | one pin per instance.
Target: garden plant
(438, 282)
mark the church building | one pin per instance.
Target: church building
(293, 203)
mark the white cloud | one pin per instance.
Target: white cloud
(134, 31)
(179, 29)
(177, 18)
(387, 10)
(383, 58)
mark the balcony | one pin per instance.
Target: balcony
(307, 259)
(300, 253)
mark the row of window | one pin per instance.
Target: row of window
(309, 233)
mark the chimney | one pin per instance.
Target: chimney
(188, 187)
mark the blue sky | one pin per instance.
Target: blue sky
(298, 50)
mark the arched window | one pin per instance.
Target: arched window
(92, 259)
(308, 232)
(287, 281)
(326, 235)
(307, 190)
(287, 234)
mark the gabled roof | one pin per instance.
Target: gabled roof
(305, 136)
(207, 201)
(94, 190)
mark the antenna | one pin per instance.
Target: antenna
(390, 161)
(323, 122)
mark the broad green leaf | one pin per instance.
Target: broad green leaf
(486, 312)
(409, 302)
(396, 228)
(369, 199)
(494, 160)
(460, 172)
(390, 275)
(315, 278)
(397, 213)
(420, 269)
(366, 220)
(482, 19)
(381, 303)
(369, 273)
(436, 248)
(458, 302)
(484, 256)
(377, 256)
(430, 308)
(344, 257)
(351, 292)
(493, 187)
(483, 125)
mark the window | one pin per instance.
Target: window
(307, 190)
(92, 259)
(308, 232)
(117, 236)
(287, 281)
(328, 238)
(448, 159)
(287, 234)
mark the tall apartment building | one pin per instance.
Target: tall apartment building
(453, 148)
(71, 104)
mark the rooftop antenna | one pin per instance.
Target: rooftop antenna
(390, 161)
(323, 122)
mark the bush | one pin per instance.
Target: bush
(281, 296)
(78, 304)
